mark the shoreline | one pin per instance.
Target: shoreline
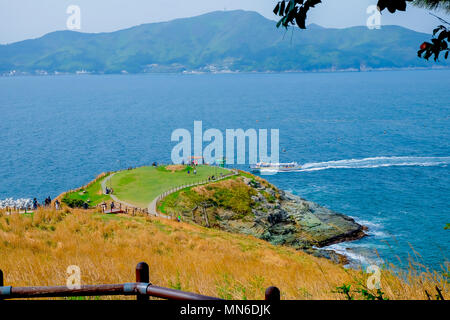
(14, 73)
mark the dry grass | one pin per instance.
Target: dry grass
(175, 167)
(37, 251)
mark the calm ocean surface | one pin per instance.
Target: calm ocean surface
(57, 133)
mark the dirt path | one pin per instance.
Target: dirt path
(152, 205)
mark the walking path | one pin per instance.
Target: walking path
(104, 182)
(152, 205)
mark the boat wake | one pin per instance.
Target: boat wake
(376, 162)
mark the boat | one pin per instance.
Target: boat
(277, 167)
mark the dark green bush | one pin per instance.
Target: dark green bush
(73, 203)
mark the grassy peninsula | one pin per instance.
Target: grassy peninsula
(236, 237)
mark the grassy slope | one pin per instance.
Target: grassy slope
(93, 192)
(37, 249)
(140, 186)
(232, 195)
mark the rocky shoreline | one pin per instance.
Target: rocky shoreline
(282, 218)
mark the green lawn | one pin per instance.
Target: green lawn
(94, 193)
(142, 185)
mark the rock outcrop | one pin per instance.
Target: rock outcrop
(251, 205)
(285, 219)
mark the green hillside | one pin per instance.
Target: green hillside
(218, 41)
(142, 185)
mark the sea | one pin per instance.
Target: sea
(374, 145)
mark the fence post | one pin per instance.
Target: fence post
(272, 294)
(142, 275)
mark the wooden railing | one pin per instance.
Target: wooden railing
(193, 184)
(142, 289)
(119, 207)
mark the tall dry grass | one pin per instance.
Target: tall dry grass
(37, 251)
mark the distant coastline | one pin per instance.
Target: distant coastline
(199, 72)
(175, 47)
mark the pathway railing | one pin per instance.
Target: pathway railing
(121, 208)
(142, 289)
(201, 182)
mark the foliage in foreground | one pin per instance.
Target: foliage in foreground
(294, 12)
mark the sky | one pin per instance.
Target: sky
(25, 19)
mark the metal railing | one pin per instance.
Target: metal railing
(142, 289)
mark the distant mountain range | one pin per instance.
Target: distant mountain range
(225, 41)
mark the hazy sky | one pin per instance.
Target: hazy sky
(24, 19)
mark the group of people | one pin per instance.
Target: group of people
(47, 203)
(109, 190)
(213, 177)
(194, 171)
(105, 206)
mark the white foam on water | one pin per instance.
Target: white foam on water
(376, 162)
(356, 259)
(363, 254)
(375, 228)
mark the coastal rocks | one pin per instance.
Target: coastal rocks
(285, 219)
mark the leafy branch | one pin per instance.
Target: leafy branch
(294, 12)
(439, 43)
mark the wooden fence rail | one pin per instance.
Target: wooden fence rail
(142, 289)
(193, 184)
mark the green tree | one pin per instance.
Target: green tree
(294, 12)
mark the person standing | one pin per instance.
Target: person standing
(103, 205)
(57, 204)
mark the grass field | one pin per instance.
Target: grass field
(142, 185)
(37, 249)
(92, 192)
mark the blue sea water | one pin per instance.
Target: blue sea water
(376, 145)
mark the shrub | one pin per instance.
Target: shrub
(73, 203)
